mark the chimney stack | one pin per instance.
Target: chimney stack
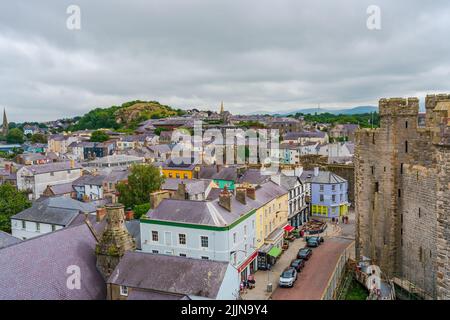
(316, 171)
(157, 197)
(181, 193)
(225, 199)
(251, 192)
(241, 195)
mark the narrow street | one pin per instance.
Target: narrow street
(314, 278)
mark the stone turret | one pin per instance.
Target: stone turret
(114, 242)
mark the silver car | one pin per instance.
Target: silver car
(288, 278)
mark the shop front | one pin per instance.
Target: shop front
(299, 218)
(267, 256)
(249, 266)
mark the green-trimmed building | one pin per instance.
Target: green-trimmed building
(223, 229)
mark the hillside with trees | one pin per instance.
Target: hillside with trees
(126, 116)
(363, 119)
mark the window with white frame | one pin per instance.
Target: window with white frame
(155, 236)
(24, 224)
(124, 291)
(182, 239)
(234, 237)
(204, 241)
(38, 226)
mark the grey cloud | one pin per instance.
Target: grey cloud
(254, 55)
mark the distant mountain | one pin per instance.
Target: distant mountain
(347, 111)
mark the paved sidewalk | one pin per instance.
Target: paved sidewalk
(263, 277)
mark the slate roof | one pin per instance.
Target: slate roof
(55, 210)
(226, 173)
(95, 180)
(7, 240)
(36, 269)
(193, 187)
(170, 274)
(207, 172)
(304, 134)
(159, 148)
(60, 189)
(52, 167)
(253, 176)
(288, 182)
(113, 159)
(324, 177)
(210, 212)
(117, 175)
(134, 228)
(154, 295)
(180, 163)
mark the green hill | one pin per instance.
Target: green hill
(126, 116)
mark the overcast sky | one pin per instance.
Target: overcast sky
(255, 55)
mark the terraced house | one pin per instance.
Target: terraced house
(224, 229)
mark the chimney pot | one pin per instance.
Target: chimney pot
(100, 214)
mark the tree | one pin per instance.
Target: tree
(99, 136)
(15, 136)
(140, 210)
(38, 138)
(12, 202)
(143, 180)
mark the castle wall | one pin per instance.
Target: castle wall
(443, 222)
(402, 193)
(419, 227)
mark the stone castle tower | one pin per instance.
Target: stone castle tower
(5, 126)
(114, 242)
(402, 193)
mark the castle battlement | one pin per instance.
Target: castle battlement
(399, 107)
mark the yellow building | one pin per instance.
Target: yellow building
(272, 217)
(178, 170)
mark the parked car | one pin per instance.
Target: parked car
(288, 277)
(304, 253)
(319, 239)
(312, 243)
(298, 264)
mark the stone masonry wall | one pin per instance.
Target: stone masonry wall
(419, 227)
(443, 223)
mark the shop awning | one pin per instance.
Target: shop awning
(275, 252)
(288, 228)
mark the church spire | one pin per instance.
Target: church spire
(5, 124)
(221, 108)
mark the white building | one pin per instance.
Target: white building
(89, 187)
(34, 179)
(48, 215)
(220, 230)
(298, 209)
